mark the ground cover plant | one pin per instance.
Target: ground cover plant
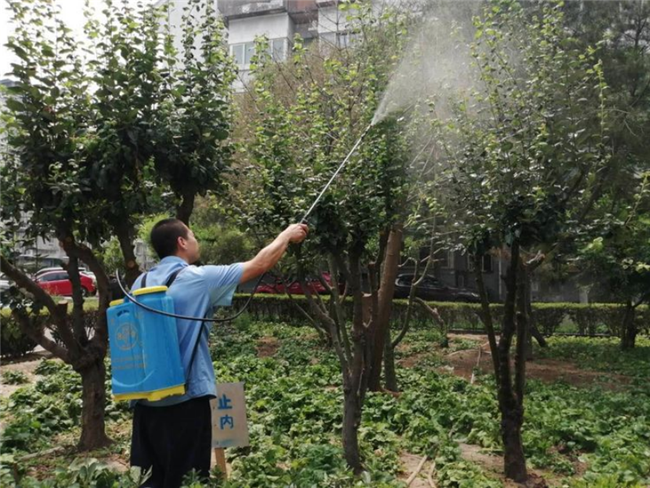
(574, 436)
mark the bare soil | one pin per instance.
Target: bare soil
(27, 364)
(267, 347)
(410, 463)
(547, 370)
(493, 465)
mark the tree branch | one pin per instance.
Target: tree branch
(38, 336)
(25, 283)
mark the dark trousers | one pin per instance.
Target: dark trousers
(172, 440)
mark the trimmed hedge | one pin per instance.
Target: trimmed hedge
(584, 319)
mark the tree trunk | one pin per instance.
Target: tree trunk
(514, 462)
(386, 291)
(629, 331)
(93, 396)
(389, 366)
(524, 293)
(351, 422)
(486, 315)
(390, 378)
(533, 331)
(511, 400)
(355, 386)
(186, 207)
(125, 234)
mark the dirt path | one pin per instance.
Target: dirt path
(267, 347)
(410, 463)
(26, 365)
(493, 465)
(548, 370)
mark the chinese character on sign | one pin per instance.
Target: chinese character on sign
(226, 420)
(224, 403)
(229, 424)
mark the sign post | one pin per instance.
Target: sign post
(229, 423)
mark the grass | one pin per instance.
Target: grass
(601, 354)
(294, 409)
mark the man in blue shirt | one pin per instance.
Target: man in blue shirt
(173, 435)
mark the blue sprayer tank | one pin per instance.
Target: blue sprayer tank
(145, 355)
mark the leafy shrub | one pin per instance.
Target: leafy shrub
(14, 377)
(52, 405)
(85, 473)
(14, 342)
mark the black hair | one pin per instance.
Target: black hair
(165, 234)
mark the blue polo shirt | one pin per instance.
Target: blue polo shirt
(197, 291)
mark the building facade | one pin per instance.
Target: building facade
(278, 20)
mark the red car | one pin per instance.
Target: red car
(275, 285)
(58, 283)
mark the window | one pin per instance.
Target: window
(442, 259)
(431, 282)
(277, 47)
(53, 277)
(237, 52)
(249, 52)
(244, 52)
(447, 260)
(346, 39)
(487, 263)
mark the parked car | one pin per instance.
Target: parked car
(58, 283)
(5, 283)
(82, 271)
(276, 285)
(433, 289)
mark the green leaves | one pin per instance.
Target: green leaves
(299, 121)
(535, 136)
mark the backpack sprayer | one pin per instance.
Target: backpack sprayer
(145, 354)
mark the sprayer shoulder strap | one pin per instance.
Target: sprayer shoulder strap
(168, 283)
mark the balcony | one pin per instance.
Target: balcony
(298, 10)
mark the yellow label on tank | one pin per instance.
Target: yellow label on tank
(149, 289)
(152, 396)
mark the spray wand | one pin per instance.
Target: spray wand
(338, 170)
(243, 309)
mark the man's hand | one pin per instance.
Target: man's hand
(296, 233)
(271, 254)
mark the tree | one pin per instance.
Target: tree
(80, 163)
(622, 29)
(299, 120)
(196, 110)
(526, 155)
(620, 255)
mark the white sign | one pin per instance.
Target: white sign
(229, 425)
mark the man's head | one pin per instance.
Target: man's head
(171, 237)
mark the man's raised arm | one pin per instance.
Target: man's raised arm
(271, 254)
